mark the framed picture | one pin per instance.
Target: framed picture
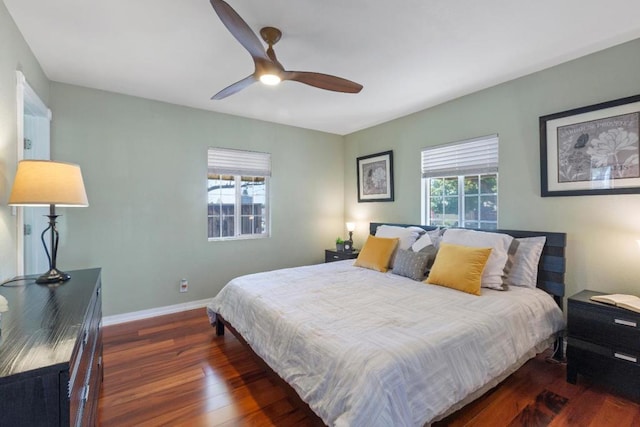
(375, 177)
(591, 150)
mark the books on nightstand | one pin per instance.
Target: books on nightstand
(628, 302)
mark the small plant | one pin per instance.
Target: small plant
(339, 241)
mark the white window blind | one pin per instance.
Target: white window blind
(474, 156)
(225, 161)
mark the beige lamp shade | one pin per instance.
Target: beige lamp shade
(44, 182)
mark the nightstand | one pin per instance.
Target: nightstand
(331, 255)
(603, 343)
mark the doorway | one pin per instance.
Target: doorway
(34, 142)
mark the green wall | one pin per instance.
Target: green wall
(144, 164)
(14, 55)
(145, 169)
(602, 231)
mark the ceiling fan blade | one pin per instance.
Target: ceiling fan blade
(323, 81)
(239, 29)
(236, 87)
(272, 56)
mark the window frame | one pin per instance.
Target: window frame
(229, 169)
(461, 197)
(477, 157)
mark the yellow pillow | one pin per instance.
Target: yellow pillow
(459, 267)
(376, 253)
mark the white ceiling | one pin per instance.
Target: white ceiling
(408, 54)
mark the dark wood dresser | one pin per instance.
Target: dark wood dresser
(51, 352)
(603, 343)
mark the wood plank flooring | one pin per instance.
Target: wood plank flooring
(174, 371)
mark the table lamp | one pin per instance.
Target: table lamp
(351, 226)
(49, 183)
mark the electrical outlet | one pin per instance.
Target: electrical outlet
(184, 285)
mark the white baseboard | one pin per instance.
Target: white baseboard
(153, 312)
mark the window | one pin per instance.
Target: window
(460, 184)
(238, 194)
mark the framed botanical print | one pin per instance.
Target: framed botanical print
(375, 177)
(591, 150)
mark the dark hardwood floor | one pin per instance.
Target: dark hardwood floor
(173, 370)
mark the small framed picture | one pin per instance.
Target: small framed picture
(375, 177)
(591, 150)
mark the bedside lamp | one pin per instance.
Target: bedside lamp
(348, 245)
(48, 183)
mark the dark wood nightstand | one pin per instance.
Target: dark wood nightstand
(331, 255)
(603, 343)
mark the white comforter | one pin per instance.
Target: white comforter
(364, 348)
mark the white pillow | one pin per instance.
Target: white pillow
(498, 265)
(421, 243)
(418, 230)
(436, 236)
(524, 271)
(407, 236)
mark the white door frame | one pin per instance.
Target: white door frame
(26, 100)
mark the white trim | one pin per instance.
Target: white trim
(31, 100)
(153, 312)
(21, 83)
(424, 196)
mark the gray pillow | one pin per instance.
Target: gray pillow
(432, 251)
(411, 264)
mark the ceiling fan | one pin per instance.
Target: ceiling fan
(268, 69)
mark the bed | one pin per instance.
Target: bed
(368, 348)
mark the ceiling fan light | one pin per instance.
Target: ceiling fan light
(270, 79)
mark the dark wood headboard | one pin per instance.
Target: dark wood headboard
(551, 267)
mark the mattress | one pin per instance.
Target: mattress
(365, 348)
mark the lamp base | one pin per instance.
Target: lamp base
(53, 276)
